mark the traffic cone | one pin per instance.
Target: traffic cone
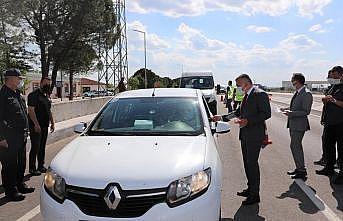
(266, 140)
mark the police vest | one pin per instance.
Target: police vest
(230, 92)
(239, 95)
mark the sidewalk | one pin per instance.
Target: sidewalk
(66, 128)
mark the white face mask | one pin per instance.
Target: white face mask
(240, 90)
(21, 84)
(334, 81)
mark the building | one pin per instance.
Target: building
(91, 85)
(80, 85)
(312, 85)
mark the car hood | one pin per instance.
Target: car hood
(132, 162)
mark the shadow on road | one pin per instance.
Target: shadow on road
(3, 201)
(305, 204)
(247, 213)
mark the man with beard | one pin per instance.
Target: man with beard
(39, 119)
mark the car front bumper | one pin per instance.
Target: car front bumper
(203, 208)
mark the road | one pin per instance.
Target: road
(281, 197)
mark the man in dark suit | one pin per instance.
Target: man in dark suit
(298, 123)
(252, 116)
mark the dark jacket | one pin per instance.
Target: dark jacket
(256, 110)
(12, 112)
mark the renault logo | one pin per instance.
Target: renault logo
(112, 197)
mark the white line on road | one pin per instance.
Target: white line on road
(319, 203)
(34, 212)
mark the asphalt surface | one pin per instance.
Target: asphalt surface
(281, 197)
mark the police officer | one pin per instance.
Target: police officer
(40, 118)
(333, 124)
(121, 85)
(14, 129)
(238, 96)
(229, 96)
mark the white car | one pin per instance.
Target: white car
(149, 155)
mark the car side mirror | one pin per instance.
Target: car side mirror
(80, 128)
(222, 127)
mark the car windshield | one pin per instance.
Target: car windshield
(149, 116)
(197, 82)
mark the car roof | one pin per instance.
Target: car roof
(197, 74)
(160, 92)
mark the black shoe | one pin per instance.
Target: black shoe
(244, 193)
(320, 162)
(300, 175)
(42, 169)
(338, 180)
(23, 188)
(291, 173)
(325, 172)
(35, 172)
(251, 200)
(15, 196)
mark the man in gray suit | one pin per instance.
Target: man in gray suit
(252, 114)
(298, 123)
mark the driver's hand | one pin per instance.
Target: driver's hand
(216, 118)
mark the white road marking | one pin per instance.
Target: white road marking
(34, 212)
(317, 201)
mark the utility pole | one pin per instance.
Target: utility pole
(145, 44)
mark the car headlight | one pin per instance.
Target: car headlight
(55, 185)
(188, 188)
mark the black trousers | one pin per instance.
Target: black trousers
(37, 152)
(229, 105)
(251, 153)
(333, 135)
(13, 161)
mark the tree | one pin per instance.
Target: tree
(137, 80)
(58, 25)
(78, 59)
(13, 53)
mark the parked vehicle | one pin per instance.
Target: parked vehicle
(148, 155)
(90, 94)
(203, 81)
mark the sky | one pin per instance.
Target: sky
(267, 39)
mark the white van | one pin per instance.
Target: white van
(203, 81)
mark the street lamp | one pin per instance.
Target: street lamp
(145, 76)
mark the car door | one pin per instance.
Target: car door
(212, 124)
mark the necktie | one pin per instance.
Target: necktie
(245, 98)
(294, 96)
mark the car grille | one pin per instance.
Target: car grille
(134, 203)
